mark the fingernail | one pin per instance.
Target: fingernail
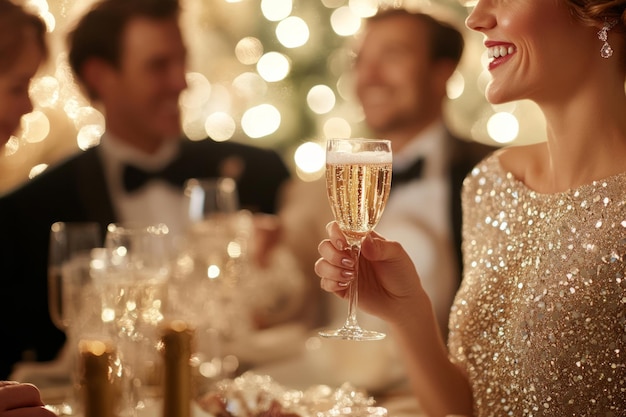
(343, 284)
(347, 274)
(347, 262)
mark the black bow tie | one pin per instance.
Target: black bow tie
(413, 172)
(134, 178)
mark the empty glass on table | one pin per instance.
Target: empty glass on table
(134, 302)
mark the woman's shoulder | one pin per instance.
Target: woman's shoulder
(511, 165)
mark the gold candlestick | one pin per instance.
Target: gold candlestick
(96, 379)
(177, 337)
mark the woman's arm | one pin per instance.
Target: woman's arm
(390, 288)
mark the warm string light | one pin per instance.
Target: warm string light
(255, 79)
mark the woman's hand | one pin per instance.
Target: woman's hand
(387, 278)
(21, 400)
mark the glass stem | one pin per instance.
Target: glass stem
(353, 289)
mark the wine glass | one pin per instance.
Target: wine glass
(358, 180)
(69, 257)
(68, 241)
(210, 197)
(134, 301)
(205, 285)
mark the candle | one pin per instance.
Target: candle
(96, 380)
(177, 339)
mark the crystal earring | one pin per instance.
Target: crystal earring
(606, 51)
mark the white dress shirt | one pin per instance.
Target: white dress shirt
(418, 215)
(156, 202)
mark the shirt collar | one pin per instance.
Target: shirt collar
(114, 149)
(427, 144)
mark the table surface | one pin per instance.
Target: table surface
(281, 354)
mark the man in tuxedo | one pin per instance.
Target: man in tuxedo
(130, 59)
(403, 63)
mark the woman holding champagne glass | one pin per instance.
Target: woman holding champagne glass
(22, 50)
(358, 181)
(537, 327)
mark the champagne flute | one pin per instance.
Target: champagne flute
(69, 253)
(358, 180)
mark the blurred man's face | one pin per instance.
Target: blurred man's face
(393, 76)
(142, 100)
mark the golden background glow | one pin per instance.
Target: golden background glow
(274, 73)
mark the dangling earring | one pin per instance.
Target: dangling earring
(606, 51)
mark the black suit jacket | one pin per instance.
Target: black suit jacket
(76, 190)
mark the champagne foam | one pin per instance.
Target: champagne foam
(367, 157)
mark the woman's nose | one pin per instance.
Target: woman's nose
(481, 17)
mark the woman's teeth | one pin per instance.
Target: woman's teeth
(500, 51)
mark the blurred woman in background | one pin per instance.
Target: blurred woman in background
(22, 51)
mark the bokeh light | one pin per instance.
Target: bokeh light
(89, 135)
(220, 126)
(273, 66)
(45, 91)
(321, 99)
(344, 22)
(310, 157)
(198, 90)
(455, 86)
(35, 126)
(503, 127)
(36, 170)
(337, 127)
(282, 75)
(275, 10)
(250, 85)
(260, 121)
(292, 32)
(248, 50)
(363, 8)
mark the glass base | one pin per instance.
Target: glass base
(352, 333)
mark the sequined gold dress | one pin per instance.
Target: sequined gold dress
(539, 323)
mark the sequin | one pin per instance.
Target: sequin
(539, 323)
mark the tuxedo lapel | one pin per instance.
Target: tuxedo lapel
(93, 189)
